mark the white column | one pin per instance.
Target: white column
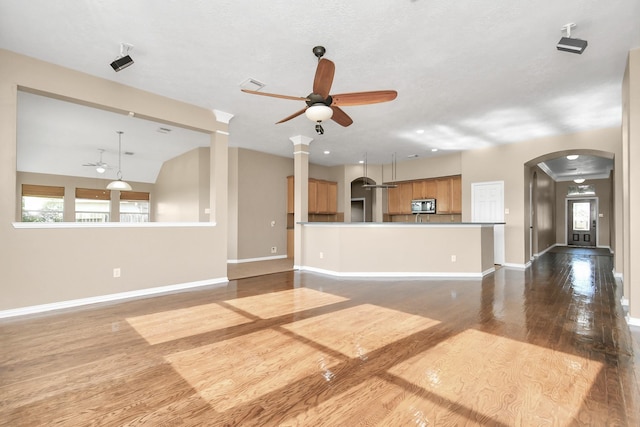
(301, 193)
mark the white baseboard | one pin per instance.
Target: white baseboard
(517, 266)
(266, 258)
(539, 254)
(618, 276)
(34, 309)
(381, 274)
(633, 321)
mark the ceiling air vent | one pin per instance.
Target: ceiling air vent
(252, 84)
(164, 130)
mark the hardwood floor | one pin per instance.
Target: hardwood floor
(546, 346)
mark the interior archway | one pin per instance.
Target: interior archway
(549, 182)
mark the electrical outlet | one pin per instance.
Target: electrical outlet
(453, 258)
(274, 250)
(321, 255)
(116, 272)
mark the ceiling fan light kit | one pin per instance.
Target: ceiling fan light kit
(100, 166)
(567, 44)
(321, 105)
(318, 112)
(119, 184)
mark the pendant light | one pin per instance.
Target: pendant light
(119, 184)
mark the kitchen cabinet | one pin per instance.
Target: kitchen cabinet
(399, 199)
(424, 189)
(456, 194)
(323, 196)
(446, 190)
(313, 196)
(332, 197)
(443, 199)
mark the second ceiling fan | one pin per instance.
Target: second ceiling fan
(323, 106)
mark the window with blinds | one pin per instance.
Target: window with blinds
(42, 203)
(134, 206)
(92, 205)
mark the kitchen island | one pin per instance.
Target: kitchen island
(397, 249)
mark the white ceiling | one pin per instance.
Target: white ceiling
(468, 74)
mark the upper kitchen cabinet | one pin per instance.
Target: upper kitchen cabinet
(323, 196)
(399, 199)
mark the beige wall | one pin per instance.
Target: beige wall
(631, 184)
(182, 188)
(232, 208)
(508, 163)
(545, 212)
(426, 167)
(603, 193)
(43, 266)
(397, 249)
(261, 199)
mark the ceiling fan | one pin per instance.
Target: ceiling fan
(323, 106)
(100, 166)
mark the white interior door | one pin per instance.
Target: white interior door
(487, 205)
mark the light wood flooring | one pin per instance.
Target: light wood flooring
(545, 346)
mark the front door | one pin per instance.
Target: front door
(581, 222)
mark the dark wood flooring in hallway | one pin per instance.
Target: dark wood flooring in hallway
(545, 346)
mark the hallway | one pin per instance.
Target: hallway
(545, 346)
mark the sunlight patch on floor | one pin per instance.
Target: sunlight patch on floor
(281, 303)
(357, 331)
(170, 325)
(251, 366)
(508, 380)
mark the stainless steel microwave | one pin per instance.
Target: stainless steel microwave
(423, 206)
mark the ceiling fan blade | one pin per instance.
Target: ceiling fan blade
(275, 95)
(340, 117)
(294, 115)
(363, 98)
(324, 77)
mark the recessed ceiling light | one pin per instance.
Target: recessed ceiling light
(572, 156)
(327, 152)
(361, 161)
(420, 131)
(434, 149)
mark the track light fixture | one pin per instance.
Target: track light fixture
(123, 60)
(568, 44)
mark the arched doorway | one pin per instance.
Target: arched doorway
(550, 184)
(362, 200)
